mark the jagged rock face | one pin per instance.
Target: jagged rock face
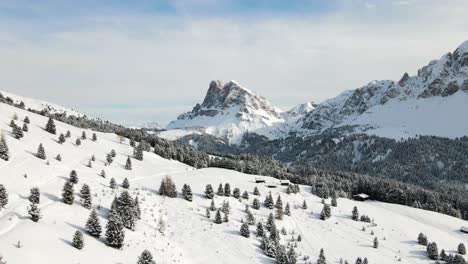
(440, 78)
(228, 111)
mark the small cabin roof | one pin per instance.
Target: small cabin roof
(362, 195)
(284, 180)
(464, 229)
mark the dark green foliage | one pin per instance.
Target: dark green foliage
(68, 195)
(236, 193)
(218, 219)
(25, 127)
(376, 242)
(83, 135)
(334, 201)
(146, 258)
(422, 239)
(61, 139)
(125, 207)
(59, 157)
(78, 241)
(355, 214)
(3, 196)
(138, 152)
(50, 126)
(322, 259)
(212, 206)
(93, 226)
(113, 153)
(187, 192)
(304, 205)
(4, 152)
(115, 233)
(270, 222)
(432, 251)
(256, 204)
(207, 213)
(86, 198)
(245, 195)
(287, 210)
(26, 120)
(209, 193)
(244, 231)
(112, 183)
(279, 202)
(78, 142)
(268, 203)
(109, 158)
(34, 212)
(128, 164)
(125, 183)
(94, 137)
(259, 229)
(41, 152)
(461, 249)
(167, 188)
(220, 191)
(34, 195)
(256, 192)
(227, 190)
(17, 132)
(326, 212)
(73, 177)
(68, 134)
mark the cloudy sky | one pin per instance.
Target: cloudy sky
(137, 61)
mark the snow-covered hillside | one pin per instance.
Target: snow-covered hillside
(189, 236)
(39, 105)
(431, 103)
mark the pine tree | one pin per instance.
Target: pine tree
(146, 258)
(18, 132)
(212, 206)
(103, 173)
(218, 220)
(227, 190)
(138, 152)
(109, 158)
(78, 142)
(90, 163)
(137, 208)
(259, 229)
(78, 241)
(41, 152)
(287, 210)
(461, 249)
(93, 158)
(279, 213)
(73, 177)
(94, 137)
(304, 205)
(422, 239)
(61, 139)
(187, 192)
(376, 242)
(113, 153)
(256, 204)
(220, 191)
(167, 187)
(25, 127)
(50, 126)
(4, 152)
(13, 124)
(208, 214)
(358, 260)
(68, 134)
(209, 194)
(270, 222)
(83, 135)
(26, 120)
(443, 255)
(292, 256)
(236, 193)
(3, 196)
(93, 226)
(269, 201)
(279, 202)
(68, 193)
(244, 231)
(322, 259)
(34, 196)
(226, 208)
(86, 198)
(326, 212)
(245, 195)
(250, 219)
(128, 164)
(256, 192)
(112, 184)
(432, 251)
(334, 202)
(34, 212)
(132, 142)
(281, 255)
(126, 210)
(125, 183)
(226, 218)
(59, 157)
(355, 214)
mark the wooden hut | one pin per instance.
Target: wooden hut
(361, 197)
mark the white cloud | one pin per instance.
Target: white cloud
(158, 61)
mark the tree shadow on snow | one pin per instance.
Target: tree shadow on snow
(66, 241)
(420, 254)
(52, 197)
(22, 217)
(79, 228)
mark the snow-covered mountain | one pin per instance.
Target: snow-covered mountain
(433, 102)
(229, 110)
(175, 230)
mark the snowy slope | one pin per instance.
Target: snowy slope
(189, 237)
(39, 105)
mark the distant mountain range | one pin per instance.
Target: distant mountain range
(434, 102)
